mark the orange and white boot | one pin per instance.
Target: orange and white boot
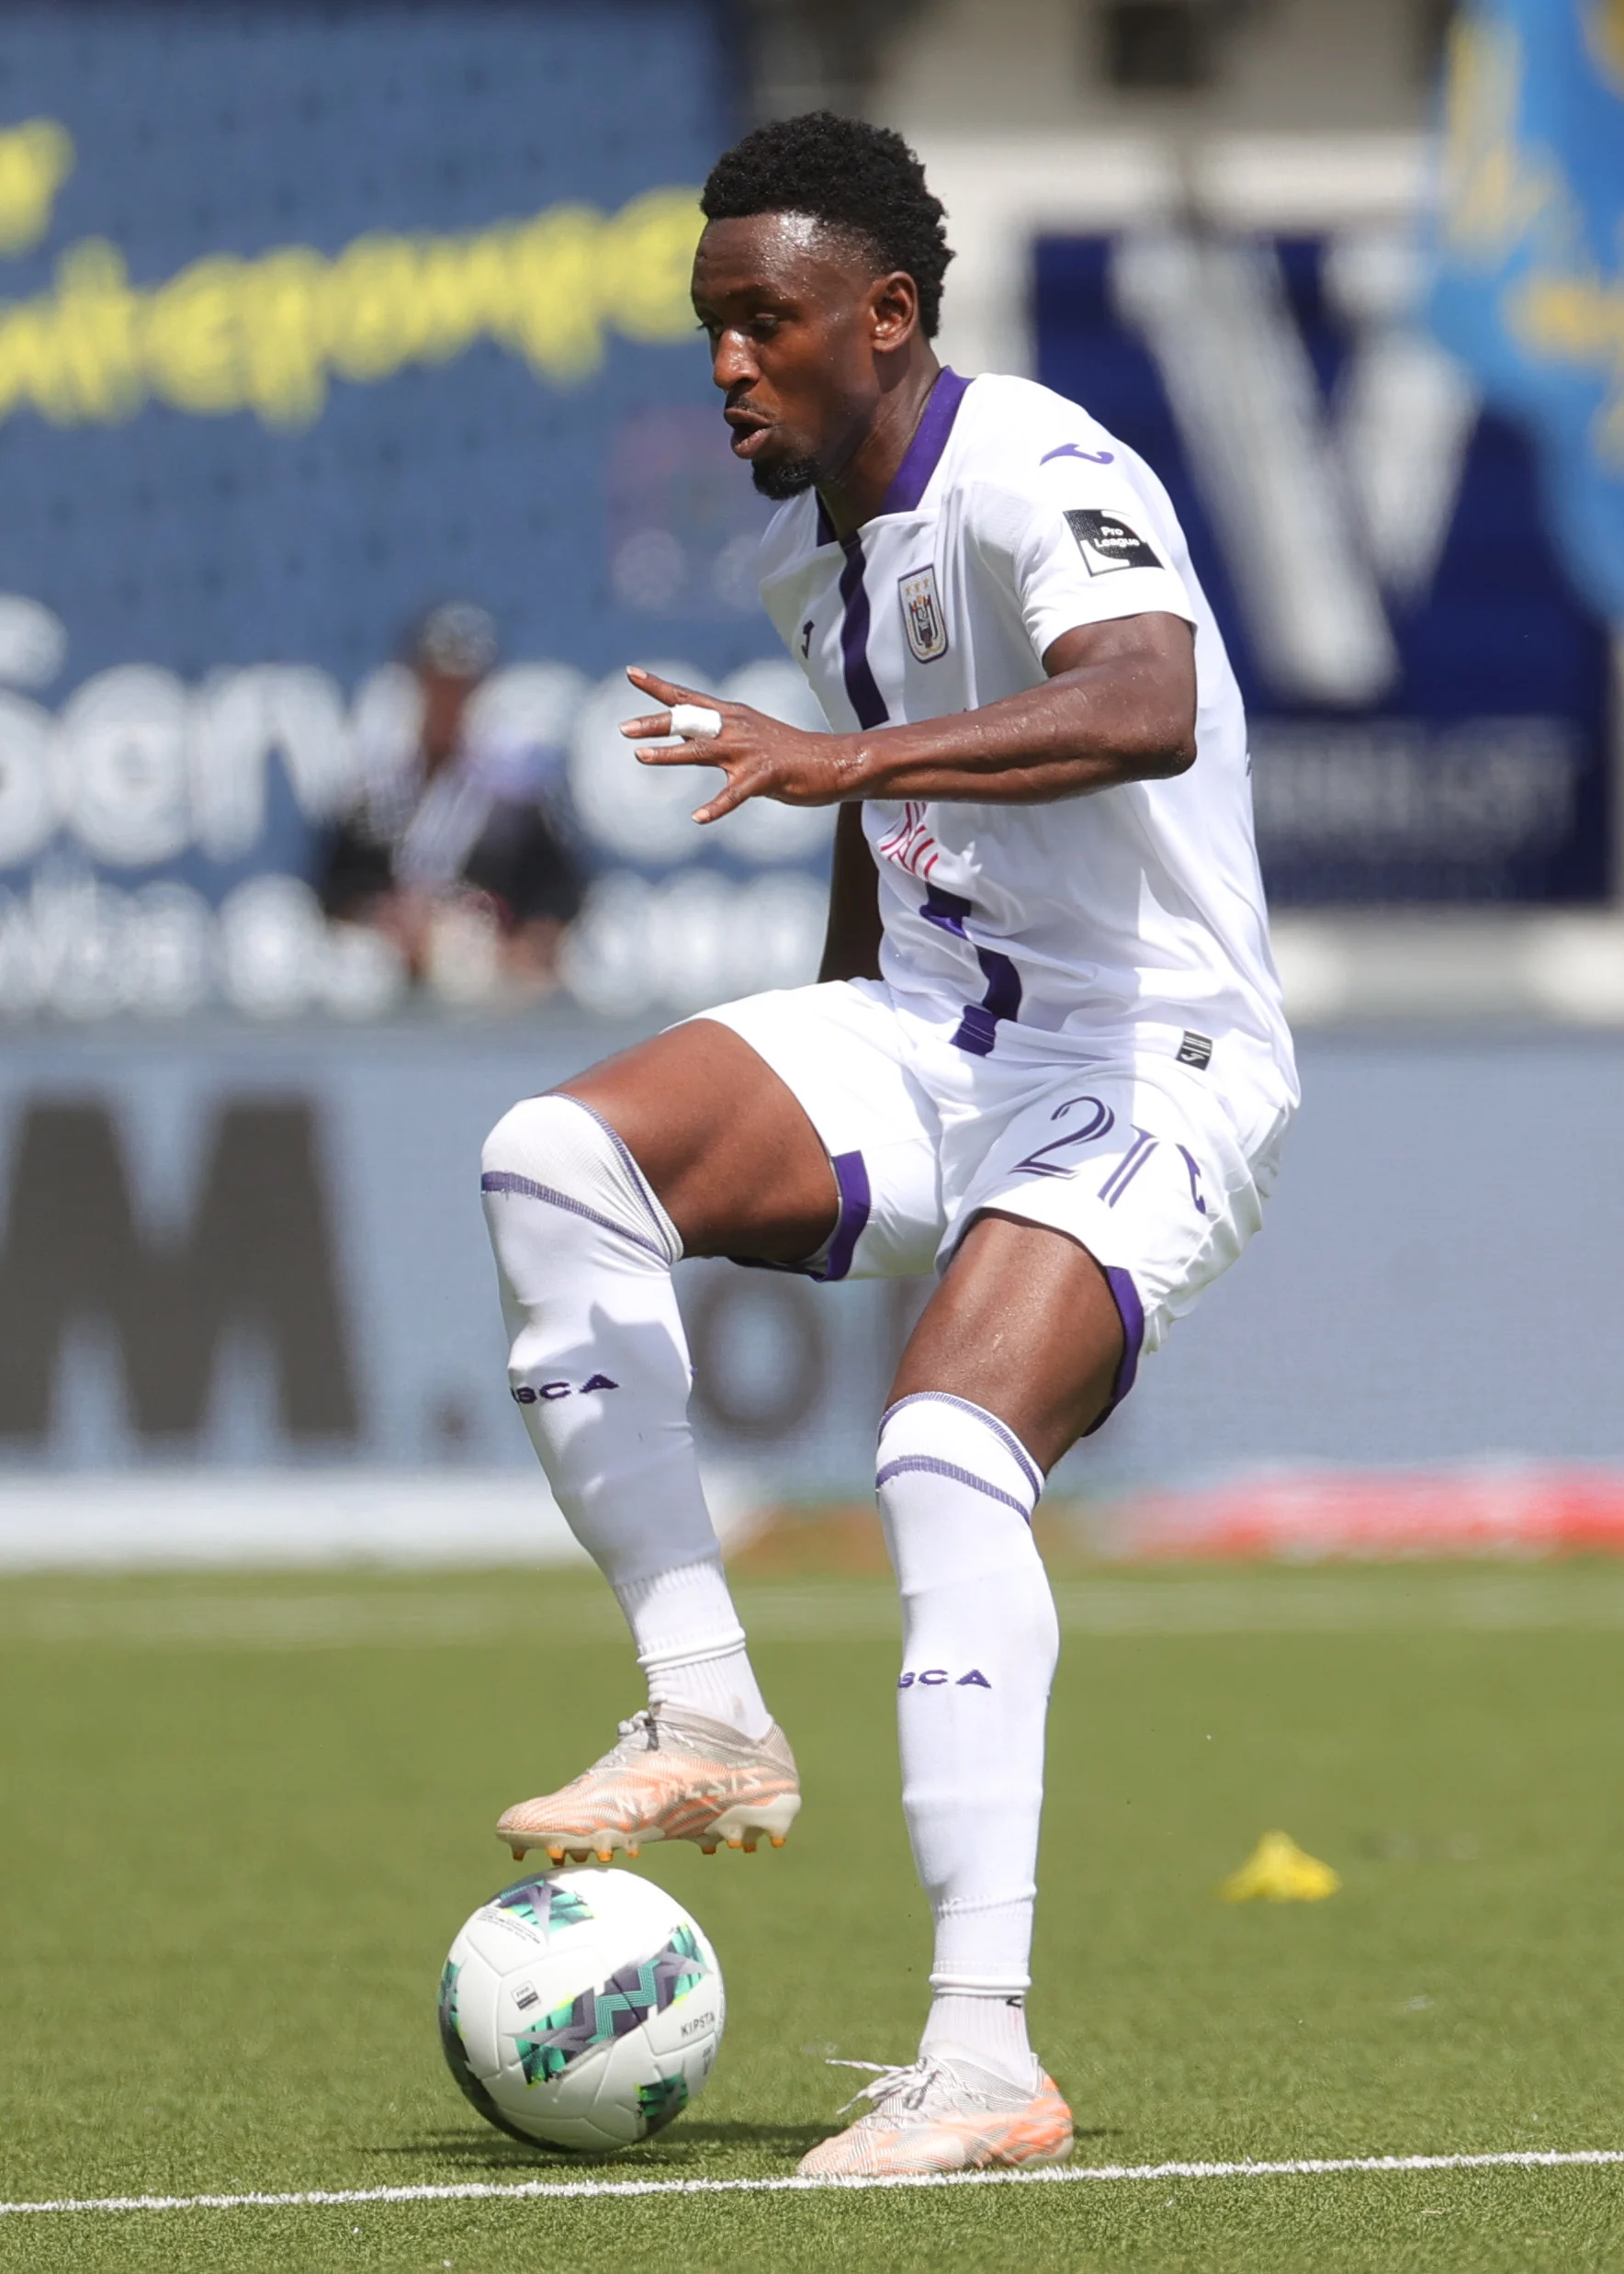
(673, 1775)
(942, 2115)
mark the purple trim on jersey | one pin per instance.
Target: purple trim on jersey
(923, 454)
(504, 1180)
(922, 1464)
(1130, 1311)
(979, 1029)
(945, 910)
(861, 690)
(856, 1200)
(1007, 1437)
(908, 484)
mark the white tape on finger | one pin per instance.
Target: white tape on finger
(693, 722)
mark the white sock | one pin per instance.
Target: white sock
(991, 2032)
(980, 1639)
(599, 1368)
(683, 1620)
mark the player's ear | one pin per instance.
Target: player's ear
(893, 310)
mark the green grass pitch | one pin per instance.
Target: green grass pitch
(242, 1818)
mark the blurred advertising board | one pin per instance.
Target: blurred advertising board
(310, 319)
(233, 1249)
(1432, 696)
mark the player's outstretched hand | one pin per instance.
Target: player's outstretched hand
(761, 757)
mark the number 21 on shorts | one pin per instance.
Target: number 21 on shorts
(1099, 1122)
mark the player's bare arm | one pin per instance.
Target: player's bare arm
(1118, 707)
(852, 944)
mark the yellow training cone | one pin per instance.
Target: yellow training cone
(1277, 1871)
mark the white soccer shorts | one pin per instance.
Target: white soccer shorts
(1159, 1168)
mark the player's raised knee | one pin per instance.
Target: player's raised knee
(548, 1133)
(509, 1141)
(555, 1151)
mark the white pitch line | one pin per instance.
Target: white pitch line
(477, 2190)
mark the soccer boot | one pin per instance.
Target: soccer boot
(673, 1775)
(941, 2115)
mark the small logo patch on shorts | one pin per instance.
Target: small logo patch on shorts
(1196, 1050)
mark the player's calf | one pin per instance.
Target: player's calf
(956, 1491)
(599, 1369)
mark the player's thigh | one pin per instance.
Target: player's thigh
(1134, 1187)
(843, 1051)
(1025, 1325)
(728, 1147)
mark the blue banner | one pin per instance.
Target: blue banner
(1429, 693)
(312, 319)
(1529, 290)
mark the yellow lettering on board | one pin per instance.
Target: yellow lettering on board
(647, 257)
(98, 331)
(373, 322)
(193, 354)
(282, 328)
(32, 364)
(553, 293)
(36, 158)
(267, 336)
(463, 291)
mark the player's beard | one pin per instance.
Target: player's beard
(788, 478)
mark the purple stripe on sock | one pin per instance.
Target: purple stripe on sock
(503, 1180)
(923, 455)
(861, 690)
(856, 1200)
(922, 1464)
(1130, 1311)
(1007, 1437)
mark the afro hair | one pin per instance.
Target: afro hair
(862, 180)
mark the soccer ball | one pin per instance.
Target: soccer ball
(581, 2009)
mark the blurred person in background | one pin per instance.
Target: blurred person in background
(451, 851)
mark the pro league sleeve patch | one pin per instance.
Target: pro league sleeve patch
(1106, 542)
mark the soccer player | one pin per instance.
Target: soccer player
(1046, 1056)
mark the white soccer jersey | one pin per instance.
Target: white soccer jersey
(1014, 518)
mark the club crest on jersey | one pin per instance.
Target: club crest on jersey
(921, 615)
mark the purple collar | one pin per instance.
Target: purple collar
(923, 454)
